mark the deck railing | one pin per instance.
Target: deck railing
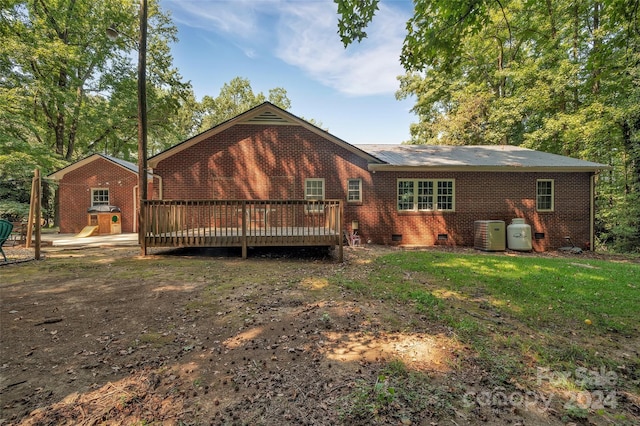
(242, 223)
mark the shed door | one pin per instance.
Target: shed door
(104, 224)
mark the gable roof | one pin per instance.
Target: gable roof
(473, 158)
(265, 113)
(87, 160)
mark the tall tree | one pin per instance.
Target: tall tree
(75, 88)
(555, 75)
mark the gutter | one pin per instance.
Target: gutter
(135, 208)
(469, 168)
(160, 189)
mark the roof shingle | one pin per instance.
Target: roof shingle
(476, 156)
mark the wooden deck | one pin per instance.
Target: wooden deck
(243, 223)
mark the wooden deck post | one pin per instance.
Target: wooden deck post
(244, 229)
(37, 184)
(340, 238)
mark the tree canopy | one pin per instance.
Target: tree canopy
(70, 88)
(67, 90)
(236, 97)
(556, 75)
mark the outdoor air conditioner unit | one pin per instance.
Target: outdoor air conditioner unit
(489, 235)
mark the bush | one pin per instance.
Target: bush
(14, 211)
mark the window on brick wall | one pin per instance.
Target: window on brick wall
(426, 195)
(354, 190)
(544, 195)
(99, 197)
(314, 190)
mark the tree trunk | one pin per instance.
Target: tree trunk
(632, 150)
(595, 51)
(73, 128)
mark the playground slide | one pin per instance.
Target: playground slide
(87, 232)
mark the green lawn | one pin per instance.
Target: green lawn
(524, 314)
(541, 292)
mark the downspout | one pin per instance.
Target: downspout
(135, 208)
(160, 197)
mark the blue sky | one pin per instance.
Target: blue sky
(295, 45)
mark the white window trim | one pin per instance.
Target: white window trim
(434, 195)
(359, 199)
(93, 190)
(314, 209)
(553, 195)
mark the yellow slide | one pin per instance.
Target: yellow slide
(87, 232)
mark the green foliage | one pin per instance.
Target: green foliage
(355, 16)
(69, 88)
(18, 160)
(14, 211)
(16, 172)
(561, 77)
(236, 97)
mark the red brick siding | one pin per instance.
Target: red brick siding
(480, 196)
(259, 162)
(272, 162)
(75, 193)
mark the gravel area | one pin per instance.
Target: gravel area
(17, 254)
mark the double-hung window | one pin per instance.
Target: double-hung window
(354, 190)
(314, 190)
(426, 195)
(445, 195)
(99, 197)
(544, 195)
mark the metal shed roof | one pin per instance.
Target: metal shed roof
(83, 162)
(476, 157)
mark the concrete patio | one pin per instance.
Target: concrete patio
(70, 240)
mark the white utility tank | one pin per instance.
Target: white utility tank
(519, 235)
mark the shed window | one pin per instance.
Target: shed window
(99, 197)
(354, 190)
(426, 195)
(544, 195)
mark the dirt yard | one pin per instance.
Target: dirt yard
(103, 336)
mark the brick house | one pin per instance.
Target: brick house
(410, 195)
(96, 180)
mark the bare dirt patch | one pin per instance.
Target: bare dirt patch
(103, 336)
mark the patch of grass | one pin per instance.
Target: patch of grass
(465, 326)
(396, 396)
(548, 298)
(396, 367)
(155, 339)
(517, 312)
(388, 283)
(356, 286)
(575, 413)
(425, 301)
(541, 292)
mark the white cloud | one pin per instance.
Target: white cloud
(237, 18)
(308, 39)
(304, 34)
